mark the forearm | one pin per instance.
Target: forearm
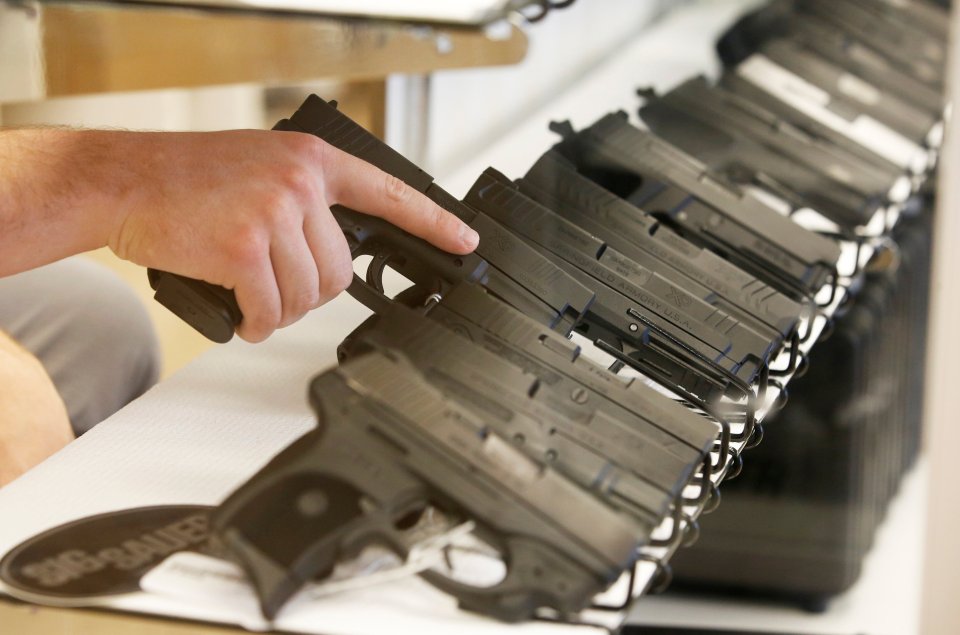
(59, 194)
(247, 210)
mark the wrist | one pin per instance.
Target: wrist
(104, 168)
(58, 193)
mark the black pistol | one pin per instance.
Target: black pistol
(557, 362)
(680, 192)
(554, 182)
(750, 145)
(920, 50)
(388, 446)
(635, 467)
(656, 325)
(833, 43)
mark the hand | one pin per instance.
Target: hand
(33, 419)
(250, 211)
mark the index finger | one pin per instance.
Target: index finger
(365, 188)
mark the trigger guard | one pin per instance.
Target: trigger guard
(368, 296)
(381, 529)
(374, 274)
(537, 576)
(377, 530)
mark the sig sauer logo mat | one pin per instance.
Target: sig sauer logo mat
(678, 298)
(103, 555)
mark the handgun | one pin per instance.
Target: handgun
(679, 191)
(921, 15)
(512, 271)
(556, 361)
(637, 312)
(778, 20)
(813, 109)
(389, 445)
(626, 462)
(517, 273)
(850, 91)
(746, 144)
(922, 52)
(553, 181)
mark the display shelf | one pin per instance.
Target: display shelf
(59, 49)
(242, 404)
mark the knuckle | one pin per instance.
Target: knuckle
(271, 205)
(279, 210)
(443, 223)
(269, 319)
(243, 251)
(443, 220)
(395, 190)
(290, 185)
(331, 285)
(259, 324)
(343, 279)
(303, 167)
(334, 279)
(303, 147)
(308, 298)
(246, 248)
(299, 182)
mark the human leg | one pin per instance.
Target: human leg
(90, 332)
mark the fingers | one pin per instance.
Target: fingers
(296, 256)
(305, 274)
(297, 274)
(361, 186)
(259, 299)
(331, 254)
(308, 266)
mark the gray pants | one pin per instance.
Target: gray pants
(89, 330)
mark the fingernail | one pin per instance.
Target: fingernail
(469, 238)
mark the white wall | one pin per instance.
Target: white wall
(941, 613)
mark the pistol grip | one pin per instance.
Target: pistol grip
(210, 309)
(322, 499)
